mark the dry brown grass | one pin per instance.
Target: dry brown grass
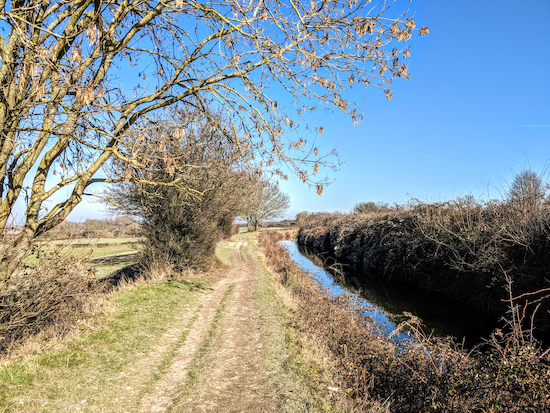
(511, 373)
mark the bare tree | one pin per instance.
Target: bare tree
(78, 77)
(527, 189)
(197, 191)
(264, 201)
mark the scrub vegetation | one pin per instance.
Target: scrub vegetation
(486, 255)
(367, 371)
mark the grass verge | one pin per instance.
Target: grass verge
(291, 367)
(89, 365)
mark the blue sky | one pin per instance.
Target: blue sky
(476, 108)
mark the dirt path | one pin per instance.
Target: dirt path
(231, 380)
(176, 346)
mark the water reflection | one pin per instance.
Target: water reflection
(329, 281)
(386, 305)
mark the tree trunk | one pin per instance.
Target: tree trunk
(13, 257)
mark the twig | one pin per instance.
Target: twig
(525, 294)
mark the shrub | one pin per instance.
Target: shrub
(180, 236)
(47, 298)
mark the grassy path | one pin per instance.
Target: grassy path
(179, 346)
(93, 371)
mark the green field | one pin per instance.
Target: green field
(93, 241)
(107, 254)
(108, 265)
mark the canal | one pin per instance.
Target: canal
(386, 304)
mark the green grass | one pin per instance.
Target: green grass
(102, 252)
(66, 250)
(241, 253)
(92, 241)
(80, 375)
(109, 265)
(224, 252)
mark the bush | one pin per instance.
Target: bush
(180, 236)
(47, 298)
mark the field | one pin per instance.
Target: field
(108, 254)
(94, 241)
(106, 265)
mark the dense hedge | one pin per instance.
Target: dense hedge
(370, 373)
(463, 252)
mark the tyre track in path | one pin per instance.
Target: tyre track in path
(232, 380)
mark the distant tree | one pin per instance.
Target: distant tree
(124, 220)
(468, 200)
(264, 202)
(94, 228)
(527, 190)
(301, 218)
(368, 207)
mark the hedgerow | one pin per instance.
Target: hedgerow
(470, 253)
(509, 373)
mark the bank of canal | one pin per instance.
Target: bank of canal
(386, 304)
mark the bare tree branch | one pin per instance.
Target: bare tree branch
(79, 78)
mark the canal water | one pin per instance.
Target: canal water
(386, 305)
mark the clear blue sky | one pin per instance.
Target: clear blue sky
(477, 104)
